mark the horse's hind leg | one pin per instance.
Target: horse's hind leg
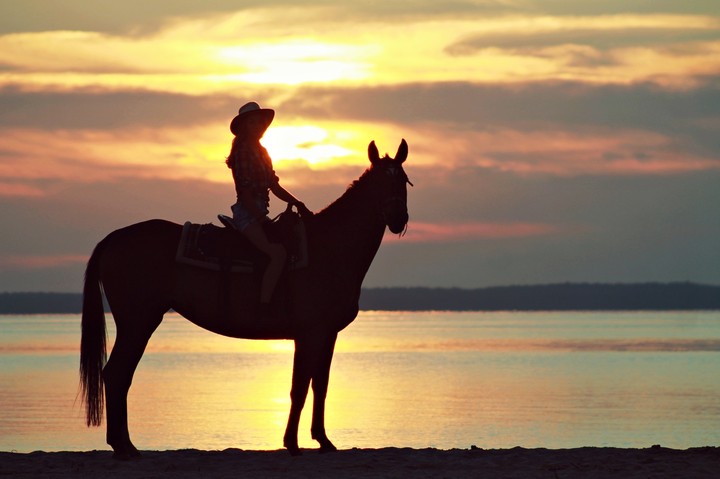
(130, 343)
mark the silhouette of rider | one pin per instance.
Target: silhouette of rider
(254, 177)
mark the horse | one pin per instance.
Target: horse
(136, 269)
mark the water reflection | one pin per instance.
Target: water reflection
(417, 380)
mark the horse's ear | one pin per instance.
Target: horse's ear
(373, 153)
(402, 152)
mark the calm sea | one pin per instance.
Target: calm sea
(435, 379)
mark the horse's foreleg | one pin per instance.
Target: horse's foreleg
(320, 380)
(309, 353)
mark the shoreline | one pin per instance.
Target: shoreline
(585, 462)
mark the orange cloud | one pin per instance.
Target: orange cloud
(87, 156)
(19, 189)
(419, 232)
(602, 151)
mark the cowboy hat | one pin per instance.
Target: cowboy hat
(251, 110)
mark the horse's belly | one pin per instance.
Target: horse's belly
(245, 328)
(227, 305)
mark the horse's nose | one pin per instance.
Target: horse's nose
(398, 222)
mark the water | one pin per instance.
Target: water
(445, 380)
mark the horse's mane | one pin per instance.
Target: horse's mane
(357, 183)
(353, 190)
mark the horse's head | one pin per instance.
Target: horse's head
(392, 184)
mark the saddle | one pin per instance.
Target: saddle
(226, 249)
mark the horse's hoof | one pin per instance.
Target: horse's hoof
(327, 449)
(126, 452)
(327, 446)
(295, 451)
(292, 447)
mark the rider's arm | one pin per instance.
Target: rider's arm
(283, 194)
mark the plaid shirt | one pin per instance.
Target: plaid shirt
(252, 169)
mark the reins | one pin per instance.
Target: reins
(395, 198)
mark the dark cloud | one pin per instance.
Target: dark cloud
(599, 39)
(688, 118)
(130, 17)
(108, 110)
(690, 115)
(610, 7)
(427, 9)
(470, 106)
(492, 105)
(141, 17)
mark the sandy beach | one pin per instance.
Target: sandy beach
(656, 462)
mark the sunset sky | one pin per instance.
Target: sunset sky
(550, 140)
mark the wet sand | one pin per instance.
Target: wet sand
(656, 462)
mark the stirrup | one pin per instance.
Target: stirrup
(227, 221)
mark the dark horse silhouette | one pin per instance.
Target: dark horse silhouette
(135, 267)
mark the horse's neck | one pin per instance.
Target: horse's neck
(352, 227)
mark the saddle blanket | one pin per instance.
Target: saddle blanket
(223, 249)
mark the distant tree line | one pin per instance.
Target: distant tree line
(551, 297)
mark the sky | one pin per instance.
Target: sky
(550, 140)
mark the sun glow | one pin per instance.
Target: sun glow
(313, 144)
(296, 62)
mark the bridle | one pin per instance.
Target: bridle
(398, 197)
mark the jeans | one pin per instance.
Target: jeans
(243, 218)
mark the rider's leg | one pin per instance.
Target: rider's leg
(277, 254)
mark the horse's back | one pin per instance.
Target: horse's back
(136, 264)
(149, 227)
(150, 241)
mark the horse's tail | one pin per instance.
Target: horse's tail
(92, 344)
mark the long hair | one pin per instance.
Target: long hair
(230, 160)
(239, 147)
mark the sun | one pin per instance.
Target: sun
(312, 144)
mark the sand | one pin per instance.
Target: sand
(655, 462)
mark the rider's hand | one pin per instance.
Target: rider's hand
(303, 210)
